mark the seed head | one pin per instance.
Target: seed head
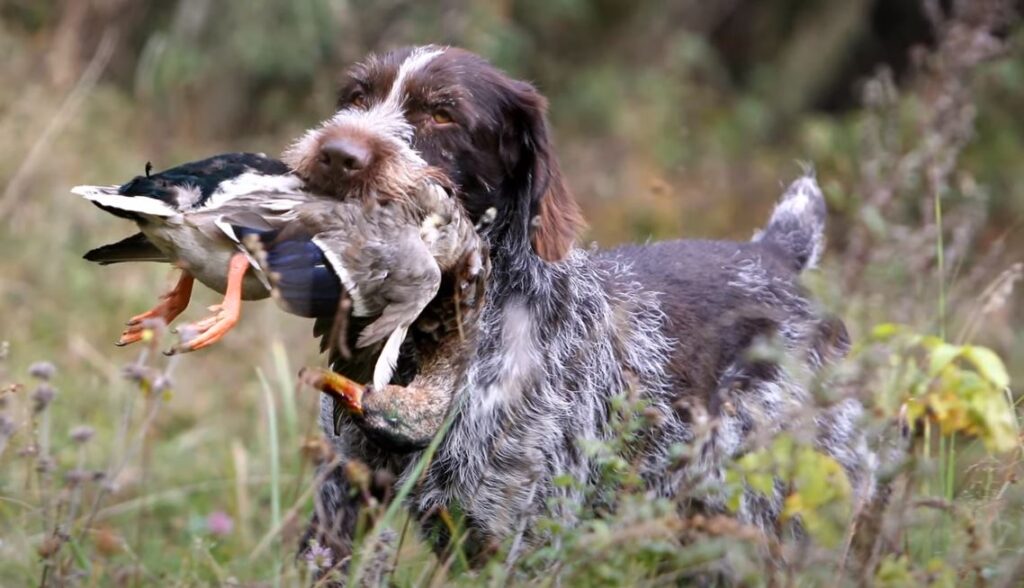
(49, 546)
(358, 474)
(161, 384)
(134, 372)
(7, 426)
(316, 450)
(82, 434)
(76, 476)
(43, 396)
(42, 370)
(45, 464)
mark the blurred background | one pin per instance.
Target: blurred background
(672, 119)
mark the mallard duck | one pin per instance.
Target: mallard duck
(406, 417)
(401, 417)
(388, 254)
(179, 213)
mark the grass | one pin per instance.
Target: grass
(200, 470)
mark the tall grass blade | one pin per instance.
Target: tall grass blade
(286, 386)
(275, 468)
(396, 503)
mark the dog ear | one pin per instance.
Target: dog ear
(552, 213)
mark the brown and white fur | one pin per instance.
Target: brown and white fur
(563, 330)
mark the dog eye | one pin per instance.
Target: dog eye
(441, 117)
(357, 99)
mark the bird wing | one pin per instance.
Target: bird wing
(209, 182)
(388, 271)
(407, 290)
(199, 184)
(134, 248)
(111, 200)
(360, 271)
(412, 282)
(259, 211)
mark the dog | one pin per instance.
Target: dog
(563, 330)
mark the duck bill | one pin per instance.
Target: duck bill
(341, 389)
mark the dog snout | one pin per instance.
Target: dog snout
(346, 155)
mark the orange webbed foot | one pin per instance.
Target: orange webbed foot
(209, 330)
(171, 304)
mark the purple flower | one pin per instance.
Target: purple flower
(7, 426)
(134, 372)
(42, 370)
(42, 397)
(76, 476)
(81, 434)
(318, 557)
(219, 523)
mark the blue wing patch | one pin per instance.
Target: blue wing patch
(307, 285)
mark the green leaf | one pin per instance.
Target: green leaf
(989, 365)
(733, 504)
(941, 356)
(886, 331)
(762, 482)
(564, 481)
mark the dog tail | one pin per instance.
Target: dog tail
(797, 225)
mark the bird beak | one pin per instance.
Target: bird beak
(341, 389)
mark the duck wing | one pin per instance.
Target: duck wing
(185, 187)
(134, 248)
(389, 273)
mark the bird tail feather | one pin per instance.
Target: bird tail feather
(134, 248)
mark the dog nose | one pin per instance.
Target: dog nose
(347, 155)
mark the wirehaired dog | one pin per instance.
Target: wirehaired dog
(563, 330)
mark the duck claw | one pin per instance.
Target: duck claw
(170, 306)
(207, 331)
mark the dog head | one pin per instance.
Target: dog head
(448, 109)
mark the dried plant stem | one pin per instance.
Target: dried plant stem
(267, 538)
(392, 511)
(940, 260)
(140, 519)
(115, 471)
(45, 479)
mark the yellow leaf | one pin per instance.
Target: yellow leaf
(793, 506)
(988, 364)
(886, 331)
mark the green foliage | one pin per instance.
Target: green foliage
(816, 491)
(961, 388)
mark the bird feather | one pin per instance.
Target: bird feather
(108, 196)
